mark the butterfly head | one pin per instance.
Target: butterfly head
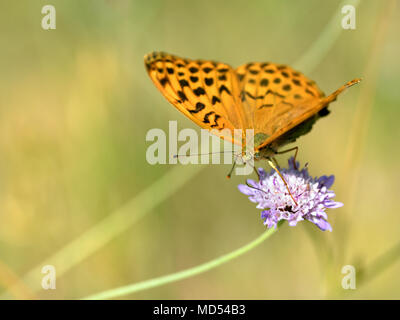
(264, 153)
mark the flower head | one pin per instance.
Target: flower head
(311, 194)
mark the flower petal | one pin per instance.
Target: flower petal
(245, 189)
(323, 224)
(312, 195)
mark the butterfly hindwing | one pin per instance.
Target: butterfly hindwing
(304, 111)
(271, 93)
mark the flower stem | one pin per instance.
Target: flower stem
(110, 227)
(156, 282)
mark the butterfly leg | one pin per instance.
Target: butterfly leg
(289, 150)
(283, 179)
(257, 173)
(276, 162)
(235, 156)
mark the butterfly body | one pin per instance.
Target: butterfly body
(280, 104)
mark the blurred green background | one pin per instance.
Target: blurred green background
(76, 104)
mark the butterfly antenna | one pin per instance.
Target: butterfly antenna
(231, 171)
(197, 154)
(283, 179)
(234, 156)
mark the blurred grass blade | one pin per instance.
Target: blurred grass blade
(156, 282)
(357, 138)
(379, 265)
(113, 225)
(18, 288)
(325, 41)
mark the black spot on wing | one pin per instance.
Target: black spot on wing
(253, 97)
(209, 81)
(215, 100)
(252, 71)
(163, 81)
(206, 116)
(223, 88)
(249, 95)
(182, 96)
(183, 83)
(199, 91)
(287, 103)
(216, 117)
(310, 92)
(268, 105)
(296, 82)
(199, 106)
(222, 70)
(274, 93)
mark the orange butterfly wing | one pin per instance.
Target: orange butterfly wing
(304, 111)
(269, 98)
(206, 92)
(276, 98)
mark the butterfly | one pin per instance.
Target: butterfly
(279, 103)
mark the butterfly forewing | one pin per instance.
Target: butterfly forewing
(206, 92)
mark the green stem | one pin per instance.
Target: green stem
(156, 282)
(111, 226)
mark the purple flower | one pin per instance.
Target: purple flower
(311, 194)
